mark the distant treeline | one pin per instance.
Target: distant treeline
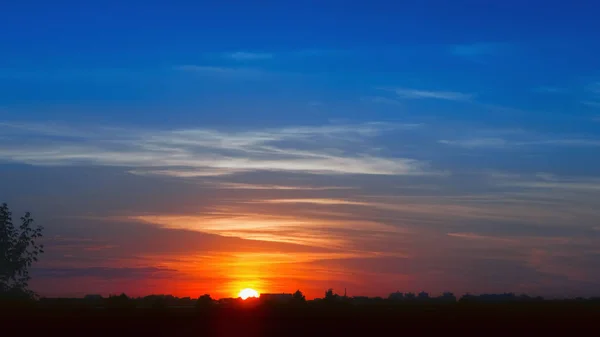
(297, 299)
(293, 315)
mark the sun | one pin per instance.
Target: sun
(247, 293)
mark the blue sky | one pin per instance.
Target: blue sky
(449, 137)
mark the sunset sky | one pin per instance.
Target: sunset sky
(205, 148)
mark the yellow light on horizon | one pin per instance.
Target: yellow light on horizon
(248, 293)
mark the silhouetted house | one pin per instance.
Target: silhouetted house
(410, 296)
(228, 302)
(93, 300)
(92, 297)
(279, 298)
(360, 300)
(447, 297)
(489, 298)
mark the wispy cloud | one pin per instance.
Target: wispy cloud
(480, 52)
(248, 56)
(550, 90)
(545, 181)
(476, 49)
(346, 222)
(425, 209)
(108, 273)
(592, 104)
(594, 88)
(187, 173)
(476, 142)
(197, 152)
(273, 228)
(593, 95)
(487, 143)
(565, 142)
(474, 236)
(316, 201)
(244, 186)
(221, 71)
(315, 105)
(429, 94)
(381, 100)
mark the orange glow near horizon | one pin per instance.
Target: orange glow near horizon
(248, 293)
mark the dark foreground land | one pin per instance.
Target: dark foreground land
(510, 319)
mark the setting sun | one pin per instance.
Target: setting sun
(247, 293)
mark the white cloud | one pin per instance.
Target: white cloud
(414, 209)
(546, 181)
(550, 90)
(475, 236)
(197, 152)
(277, 228)
(504, 143)
(243, 186)
(482, 52)
(594, 88)
(183, 173)
(478, 49)
(381, 100)
(316, 201)
(247, 56)
(564, 142)
(476, 142)
(591, 103)
(221, 71)
(429, 94)
(589, 186)
(546, 176)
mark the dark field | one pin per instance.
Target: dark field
(537, 319)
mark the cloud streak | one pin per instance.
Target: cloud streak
(221, 71)
(272, 228)
(200, 152)
(381, 100)
(487, 143)
(518, 139)
(477, 49)
(550, 90)
(409, 93)
(592, 104)
(248, 56)
(481, 52)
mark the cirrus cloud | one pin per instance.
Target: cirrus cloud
(197, 152)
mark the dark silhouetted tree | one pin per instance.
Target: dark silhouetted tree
(397, 296)
(204, 302)
(159, 303)
(330, 295)
(448, 297)
(298, 296)
(18, 250)
(423, 296)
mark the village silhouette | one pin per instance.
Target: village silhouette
(290, 314)
(298, 300)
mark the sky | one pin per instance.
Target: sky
(189, 148)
